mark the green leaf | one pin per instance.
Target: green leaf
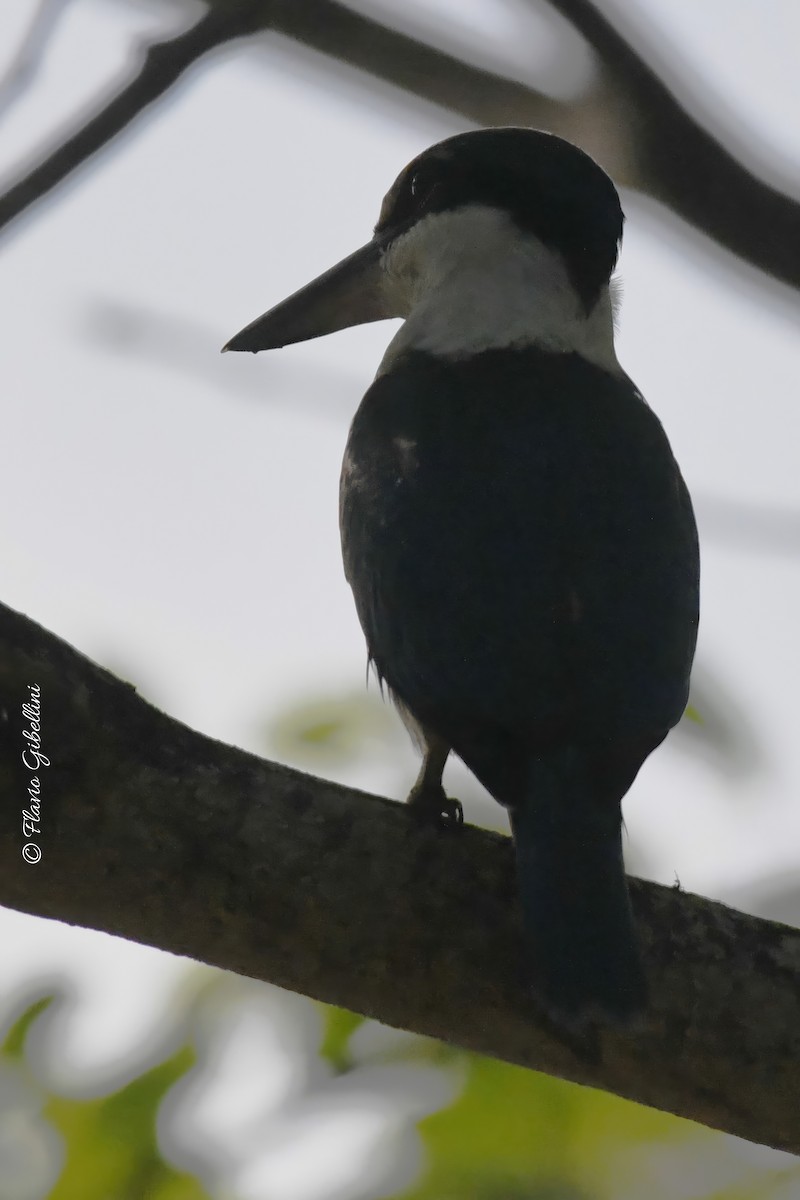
(340, 1025)
(332, 729)
(13, 1044)
(514, 1130)
(111, 1143)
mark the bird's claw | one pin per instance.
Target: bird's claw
(432, 806)
(449, 814)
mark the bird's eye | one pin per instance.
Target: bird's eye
(410, 195)
(424, 182)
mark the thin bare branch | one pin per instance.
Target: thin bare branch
(481, 96)
(24, 65)
(680, 163)
(155, 833)
(162, 64)
(629, 121)
(182, 345)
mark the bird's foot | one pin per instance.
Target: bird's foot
(431, 806)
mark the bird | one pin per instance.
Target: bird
(516, 532)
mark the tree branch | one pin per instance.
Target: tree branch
(28, 58)
(680, 163)
(155, 833)
(163, 63)
(178, 342)
(435, 76)
(629, 121)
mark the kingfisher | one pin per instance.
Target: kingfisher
(516, 532)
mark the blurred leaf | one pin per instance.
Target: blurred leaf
(517, 1132)
(13, 1043)
(112, 1149)
(333, 729)
(719, 726)
(340, 1025)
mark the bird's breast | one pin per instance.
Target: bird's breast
(515, 528)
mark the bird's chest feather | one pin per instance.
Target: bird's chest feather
(518, 523)
(428, 499)
(505, 464)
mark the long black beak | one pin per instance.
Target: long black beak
(348, 294)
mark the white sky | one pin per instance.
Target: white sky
(174, 514)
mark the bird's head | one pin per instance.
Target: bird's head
(479, 217)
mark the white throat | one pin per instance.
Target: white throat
(469, 280)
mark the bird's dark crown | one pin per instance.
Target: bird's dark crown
(549, 188)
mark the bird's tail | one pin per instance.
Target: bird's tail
(574, 896)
